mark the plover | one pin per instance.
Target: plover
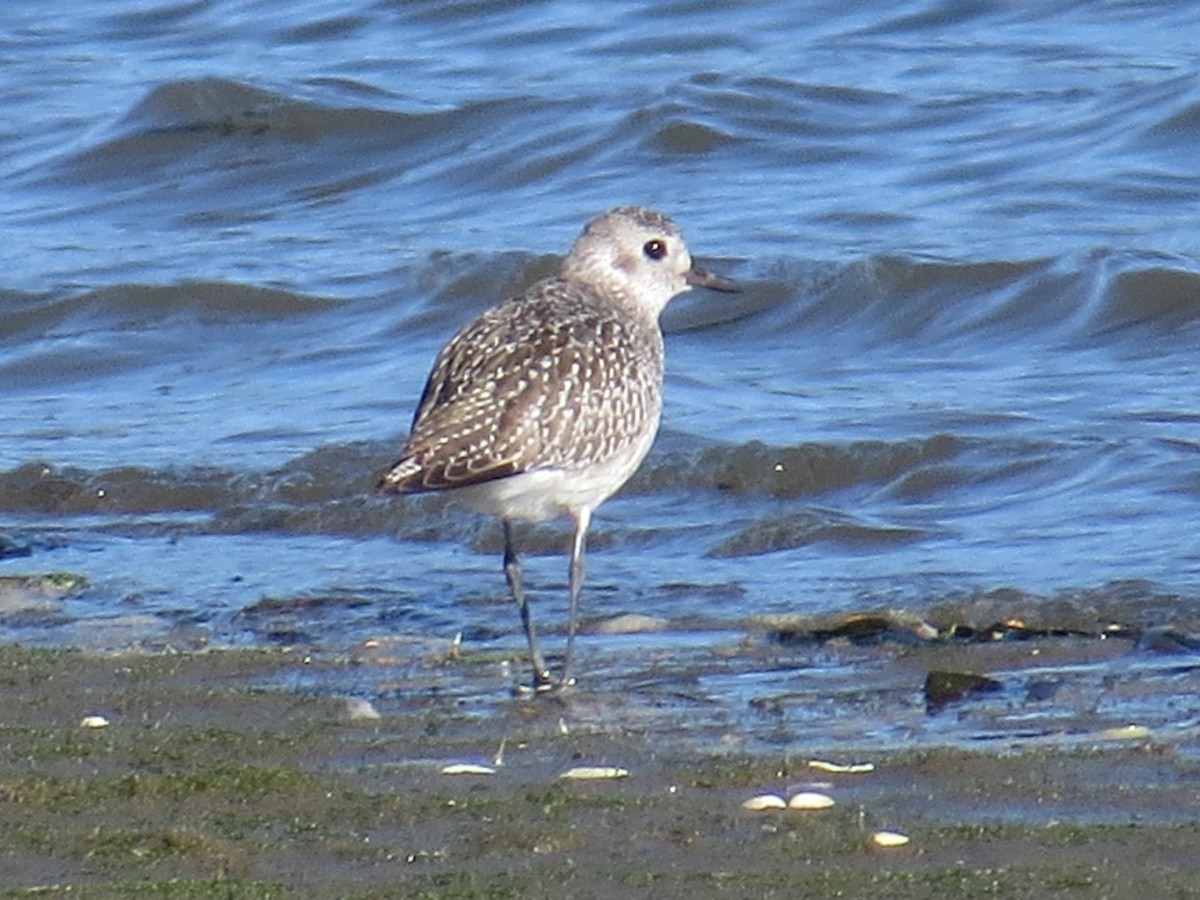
(548, 402)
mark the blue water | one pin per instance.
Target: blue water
(237, 232)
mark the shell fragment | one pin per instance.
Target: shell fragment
(467, 769)
(840, 769)
(760, 802)
(810, 800)
(585, 773)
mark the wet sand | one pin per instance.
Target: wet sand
(233, 773)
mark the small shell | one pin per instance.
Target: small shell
(1126, 733)
(810, 800)
(93, 722)
(925, 631)
(467, 769)
(889, 839)
(841, 769)
(583, 773)
(360, 710)
(759, 802)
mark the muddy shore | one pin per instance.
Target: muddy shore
(226, 773)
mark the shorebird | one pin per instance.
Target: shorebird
(546, 404)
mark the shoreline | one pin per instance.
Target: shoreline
(213, 778)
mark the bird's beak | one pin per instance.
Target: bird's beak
(699, 277)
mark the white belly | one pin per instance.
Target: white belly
(543, 494)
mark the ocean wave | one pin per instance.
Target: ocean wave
(889, 301)
(337, 474)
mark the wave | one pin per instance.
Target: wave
(135, 307)
(339, 479)
(180, 120)
(889, 301)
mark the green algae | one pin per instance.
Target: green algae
(209, 782)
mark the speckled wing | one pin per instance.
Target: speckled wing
(556, 378)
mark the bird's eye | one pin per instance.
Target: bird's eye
(655, 249)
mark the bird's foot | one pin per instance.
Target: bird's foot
(545, 685)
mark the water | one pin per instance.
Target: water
(236, 234)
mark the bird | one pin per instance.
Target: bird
(547, 403)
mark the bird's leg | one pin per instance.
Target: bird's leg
(512, 571)
(575, 579)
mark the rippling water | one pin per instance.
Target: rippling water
(236, 233)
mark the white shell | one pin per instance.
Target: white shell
(810, 800)
(359, 710)
(889, 839)
(760, 802)
(588, 772)
(467, 769)
(93, 722)
(839, 768)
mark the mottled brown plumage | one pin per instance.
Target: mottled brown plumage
(547, 403)
(556, 378)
